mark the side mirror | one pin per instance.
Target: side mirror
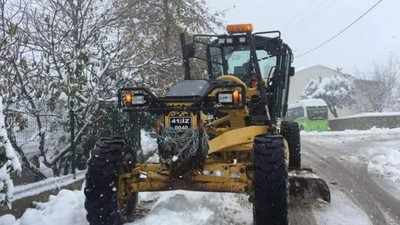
(291, 71)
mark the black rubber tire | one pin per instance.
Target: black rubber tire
(291, 132)
(102, 180)
(271, 186)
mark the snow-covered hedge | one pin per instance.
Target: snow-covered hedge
(9, 162)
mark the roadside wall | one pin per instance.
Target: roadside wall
(19, 206)
(364, 123)
(26, 195)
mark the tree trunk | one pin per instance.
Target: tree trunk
(25, 159)
(333, 111)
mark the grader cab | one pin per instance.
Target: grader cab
(224, 133)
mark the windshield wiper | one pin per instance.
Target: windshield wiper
(267, 57)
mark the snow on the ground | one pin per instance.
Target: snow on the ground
(196, 208)
(182, 208)
(386, 164)
(375, 131)
(64, 209)
(341, 211)
(333, 138)
(169, 208)
(378, 148)
(371, 114)
(7, 219)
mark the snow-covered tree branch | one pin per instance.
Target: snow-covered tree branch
(56, 51)
(336, 91)
(9, 162)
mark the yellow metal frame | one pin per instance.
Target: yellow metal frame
(220, 177)
(228, 167)
(241, 138)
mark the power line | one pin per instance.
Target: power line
(314, 14)
(336, 35)
(296, 17)
(322, 9)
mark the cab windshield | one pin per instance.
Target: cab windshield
(236, 59)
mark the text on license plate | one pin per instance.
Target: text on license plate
(179, 123)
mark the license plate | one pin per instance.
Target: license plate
(180, 123)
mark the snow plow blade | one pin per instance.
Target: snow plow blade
(305, 185)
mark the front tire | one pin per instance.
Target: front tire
(291, 132)
(101, 188)
(271, 186)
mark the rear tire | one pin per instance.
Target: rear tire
(271, 187)
(102, 183)
(291, 132)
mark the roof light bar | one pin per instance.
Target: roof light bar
(239, 28)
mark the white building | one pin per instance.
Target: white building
(299, 81)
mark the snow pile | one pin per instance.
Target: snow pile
(64, 209)
(8, 162)
(167, 208)
(197, 208)
(7, 219)
(386, 165)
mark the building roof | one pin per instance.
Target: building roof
(316, 67)
(308, 102)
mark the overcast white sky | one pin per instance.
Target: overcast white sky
(307, 23)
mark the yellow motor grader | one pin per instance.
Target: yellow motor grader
(226, 133)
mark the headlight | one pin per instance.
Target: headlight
(138, 100)
(230, 97)
(134, 100)
(225, 98)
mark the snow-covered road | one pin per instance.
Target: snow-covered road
(362, 169)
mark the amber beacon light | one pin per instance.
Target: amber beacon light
(239, 28)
